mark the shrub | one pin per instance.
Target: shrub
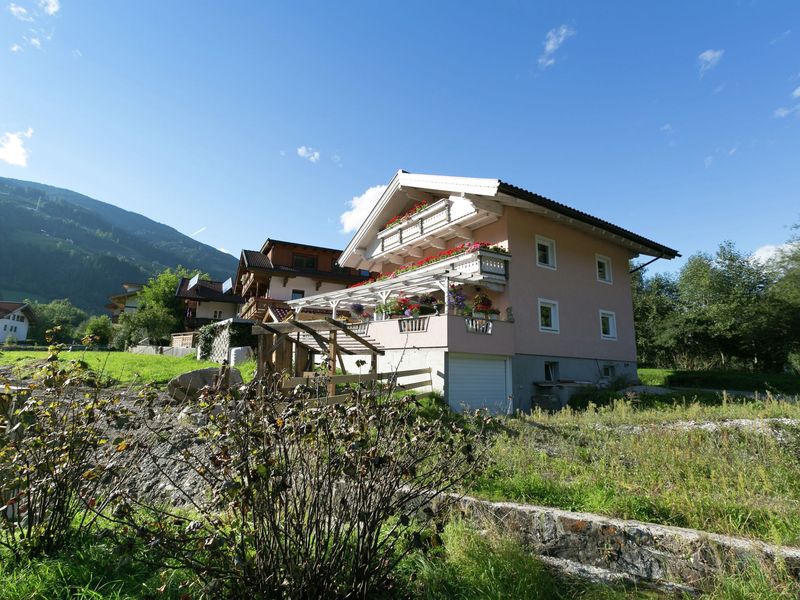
(306, 500)
(53, 457)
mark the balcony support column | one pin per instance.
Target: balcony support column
(444, 285)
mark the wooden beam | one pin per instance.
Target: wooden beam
(437, 243)
(342, 327)
(332, 353)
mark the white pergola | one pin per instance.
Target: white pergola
(485, 268)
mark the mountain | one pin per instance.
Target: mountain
(55, 243)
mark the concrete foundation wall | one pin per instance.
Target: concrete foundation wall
(527, 369)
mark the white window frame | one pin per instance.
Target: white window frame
(609, 271)
(612, 324)
(553, 304)
(551, 244)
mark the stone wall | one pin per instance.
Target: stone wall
(648, 552)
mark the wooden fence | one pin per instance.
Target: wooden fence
(323, 383)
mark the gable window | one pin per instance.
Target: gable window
(304, 261)
(603, 264)
(551, 371)
(297, 294)
(548, 315)
(608, 325)
(545, 252)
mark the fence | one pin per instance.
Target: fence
(321, 382)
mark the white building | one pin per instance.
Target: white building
(15, 318)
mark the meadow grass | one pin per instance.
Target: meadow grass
(122, 368)
(89, 568)
(744, 381)
(630, 463)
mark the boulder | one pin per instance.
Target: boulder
(188, 385)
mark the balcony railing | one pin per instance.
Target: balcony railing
(480, 326)
(413, 325)
(438, 215)
(255, 308)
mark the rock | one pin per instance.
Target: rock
(188, 385)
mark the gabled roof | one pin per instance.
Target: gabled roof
(6, 308)
(269, 243)
(253, 259)
(501, 192)
(256, 260)
(206, 291)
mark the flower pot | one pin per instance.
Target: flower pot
(479, 314)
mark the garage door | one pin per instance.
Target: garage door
(478, 382)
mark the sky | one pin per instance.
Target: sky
(238, 121)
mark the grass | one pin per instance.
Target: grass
(743, 381)
(627, 462)
(91, 568)
(124, 367)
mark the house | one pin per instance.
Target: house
(207, 301)
(15, 318)
(511, 298)
(282, 271)
(127, 302)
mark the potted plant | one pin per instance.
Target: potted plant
(481, 305)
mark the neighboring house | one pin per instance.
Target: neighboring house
(127, 302)
(557, 312)
(207, 301)
(283, 271)
(15, 318)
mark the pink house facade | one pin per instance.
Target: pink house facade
(512, 299)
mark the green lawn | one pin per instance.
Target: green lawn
(632, 463)
(743, 381)
(121, 367)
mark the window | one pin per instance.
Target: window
(608, 325)
(304, 261)
(609, 371)
(548, 315)
(217, 314)
(5, 327)
(297, 294)
(603, 268)
(551, 371)
(545, 252)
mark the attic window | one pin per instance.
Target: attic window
(304, 261)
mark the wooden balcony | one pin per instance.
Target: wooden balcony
(255, 308)
(446, 218)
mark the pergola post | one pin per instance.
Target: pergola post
(332, 353)
(334, 304)
(444, 284)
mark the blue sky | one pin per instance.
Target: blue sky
(240, 121)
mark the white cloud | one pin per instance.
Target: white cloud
(15, 48)
(12, 147)
(796, 93)
(783, 111)
(35, 42)
(50, 7)
(359, 207)
(20, 12)
(309, 153)
(734, 149)
(708, 160)
(337, 160)
(552, 42)
(766, 253)
(77, 53)
(667, 128)
(708, 60)
(199, 231)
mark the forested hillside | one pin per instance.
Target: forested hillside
(55, 243)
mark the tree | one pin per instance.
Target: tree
(160, 312)
(56, 314)
(100, 327)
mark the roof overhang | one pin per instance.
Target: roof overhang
(504, 193)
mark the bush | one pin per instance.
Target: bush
(306, 500)
(54, 457)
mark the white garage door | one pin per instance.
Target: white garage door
(478, 382)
